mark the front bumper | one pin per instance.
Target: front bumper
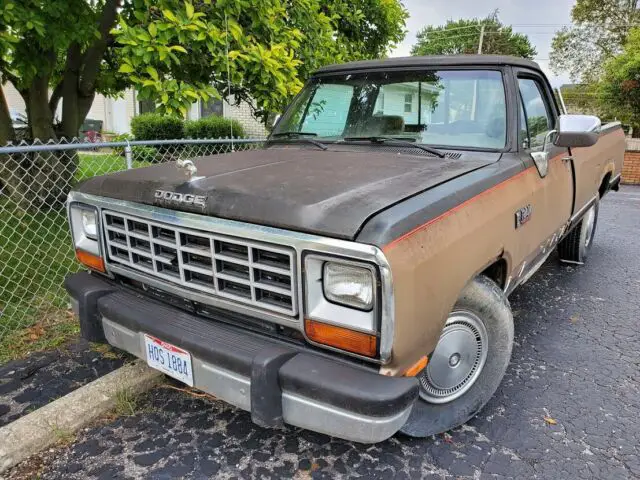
(276, 381)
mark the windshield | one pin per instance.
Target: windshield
(454, 108)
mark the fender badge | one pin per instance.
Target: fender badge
(523, 215)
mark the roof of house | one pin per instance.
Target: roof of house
(430, 61)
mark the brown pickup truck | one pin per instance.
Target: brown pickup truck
(351, 277)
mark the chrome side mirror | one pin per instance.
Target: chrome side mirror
(577, 131)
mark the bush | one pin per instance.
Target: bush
(123, 137)
(153, 126)
(213, 127)
(144, 154)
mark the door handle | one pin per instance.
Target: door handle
(567, 159)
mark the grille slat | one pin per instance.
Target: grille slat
(249, 272)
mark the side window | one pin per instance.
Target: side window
(327, 113)
(538, 116)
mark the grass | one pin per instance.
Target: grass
(127, 403)
(92, 165)
(55, 331)
(35, 256)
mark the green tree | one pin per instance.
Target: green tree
(57, 50)
(619, 89)
(585, 99)
(463, 36)
(599, 30)
(174, 52)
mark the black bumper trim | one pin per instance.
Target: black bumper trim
(86, 289)
(257, 357)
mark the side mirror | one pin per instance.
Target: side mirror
(577, 131)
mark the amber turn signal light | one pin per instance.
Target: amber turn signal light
(342, 338)
(90, 260)
(417, 367)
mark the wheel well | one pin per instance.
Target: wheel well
(497, 272)
(604, 186)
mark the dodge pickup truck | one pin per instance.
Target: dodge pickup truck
(351, 276)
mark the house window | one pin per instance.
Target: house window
(146, 106)
(408, 102)
(213, 107)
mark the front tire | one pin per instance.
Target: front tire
(575, 247)
(468, 362)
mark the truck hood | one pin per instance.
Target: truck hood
(329, 192)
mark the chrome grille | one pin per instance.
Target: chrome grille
(249, 272)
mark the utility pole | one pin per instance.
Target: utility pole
(481, 40)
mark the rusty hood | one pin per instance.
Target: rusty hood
(330, 192)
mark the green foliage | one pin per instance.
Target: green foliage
(213, 127)
(599, 30)
(584, 99)
(620, 86)
(463, 37)
(33, 32)
(141, 154)
(175, 52)
(155, 126)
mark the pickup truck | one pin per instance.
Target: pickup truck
(351, 276)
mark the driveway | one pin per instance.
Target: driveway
(569, 406)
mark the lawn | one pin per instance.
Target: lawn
(35, 256)
(92, 165)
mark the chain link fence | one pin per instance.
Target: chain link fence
(35, 245)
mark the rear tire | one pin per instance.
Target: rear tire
(574, 248)
(468, 362)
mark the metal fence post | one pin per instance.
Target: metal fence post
(128, 155)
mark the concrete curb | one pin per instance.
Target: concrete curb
(42, 428)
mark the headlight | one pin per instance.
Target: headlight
(89, 224)
(341, 301)
(84, 231)
(348, 285)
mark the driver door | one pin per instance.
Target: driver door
(552, 184)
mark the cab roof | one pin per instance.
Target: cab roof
(429, 61)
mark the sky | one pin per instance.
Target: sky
(539, 19)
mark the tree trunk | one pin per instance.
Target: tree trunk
(40, 118)
(70, 85)
(7, 134)
(39, 180)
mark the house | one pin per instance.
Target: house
(116, 113)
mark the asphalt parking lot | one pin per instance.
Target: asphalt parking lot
(569, 406)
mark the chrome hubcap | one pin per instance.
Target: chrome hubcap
(457, 360)
(589, 222)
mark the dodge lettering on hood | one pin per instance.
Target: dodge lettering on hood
(351, 275)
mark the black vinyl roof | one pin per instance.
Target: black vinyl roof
(429, 61)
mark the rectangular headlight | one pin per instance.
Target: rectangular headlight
(348, 285)
(83, 220)
(89, 223)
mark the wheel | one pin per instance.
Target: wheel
(468, 362)
(575, 247)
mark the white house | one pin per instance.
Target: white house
(116, 113)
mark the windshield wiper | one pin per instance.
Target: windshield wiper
(297, 136)
(397, 142)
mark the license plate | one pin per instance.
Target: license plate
(169, 359)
